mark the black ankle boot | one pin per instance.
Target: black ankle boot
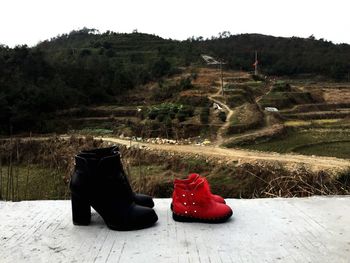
(99, 182)
(140, 199)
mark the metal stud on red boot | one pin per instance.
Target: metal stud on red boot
(194, 203)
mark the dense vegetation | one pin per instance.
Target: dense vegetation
(282, 56)
(81, 68)
(85, 67)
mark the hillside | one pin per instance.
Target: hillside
(171, 127)
(311, 118)
(86, 68)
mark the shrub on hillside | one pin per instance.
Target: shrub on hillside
(184, 113)
(245, 118)
(193, 100)
(170, 111)
(222, 116)
(165, 91)
(282, 100)
(281, 86)
(204, 115)
(236, 100)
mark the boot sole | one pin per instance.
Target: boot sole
(129, 228)
(81, 223)
(188, 219)
(120, 228)
(171, 206)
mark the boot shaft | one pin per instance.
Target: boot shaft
(95, 155)
(101, 162)
(100, 178)
(192, 180)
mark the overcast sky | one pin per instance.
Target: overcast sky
(31, 21)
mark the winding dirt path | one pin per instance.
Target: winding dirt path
(219, 137)
(315, 163)
(220, 134)
(265, 131)
(289, 161)
(269, 89)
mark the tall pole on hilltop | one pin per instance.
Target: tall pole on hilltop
(222, 79)
(211, 61)
(256, 63)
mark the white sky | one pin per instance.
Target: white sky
(31, 21)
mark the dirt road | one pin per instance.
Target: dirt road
(220, 135)
(292, 161)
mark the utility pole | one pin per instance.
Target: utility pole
(222, 79)
(211, 61)
(256, 63)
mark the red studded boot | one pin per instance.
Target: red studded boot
(194, 203)
(192, 178)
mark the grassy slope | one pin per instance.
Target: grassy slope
(311, 142)
(33, 182)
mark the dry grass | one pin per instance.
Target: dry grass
(300, 184)
(208, 76)
(338, 114)
(42, 162)
(337, 95)
(261, 181)
(245, 117)
(153, 172)
(231, 180)
(298, 123)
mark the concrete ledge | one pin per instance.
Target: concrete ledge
(313, 229)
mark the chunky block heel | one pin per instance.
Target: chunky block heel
(81, 211)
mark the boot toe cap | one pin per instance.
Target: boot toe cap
(219, 199)
(142, 217)
(144, 200)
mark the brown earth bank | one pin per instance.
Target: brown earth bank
(152, 168)
(289, 161)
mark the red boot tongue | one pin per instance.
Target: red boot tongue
(192, 177)
(201, 191)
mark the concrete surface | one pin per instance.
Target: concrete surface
(262, 230)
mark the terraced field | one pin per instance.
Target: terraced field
(309, 141)
(316, 123)
(312, 118)
(178, 107)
